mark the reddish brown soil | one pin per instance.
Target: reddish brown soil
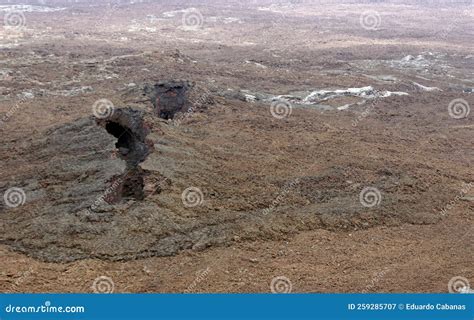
(400, 259)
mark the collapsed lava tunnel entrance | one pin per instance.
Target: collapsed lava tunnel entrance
(169, 98)
(126, 144)
(127, 126)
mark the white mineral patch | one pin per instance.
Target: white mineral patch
(323, 95)
(250, 98)
(67, 92)
(424, 88)
(231, 20)
(174, 13)
(408, 58)
(318, 96)
(26, 95)
(152, 18)
(281, 8)
(5, 74)
(28, 8)
(385, 94)
(170, 14)
(256, 63)
(344, 107)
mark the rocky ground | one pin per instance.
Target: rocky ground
(182, 147)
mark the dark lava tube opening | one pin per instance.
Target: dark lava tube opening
(127, 126)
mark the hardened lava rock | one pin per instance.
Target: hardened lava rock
(94, 189)
(127, 126)
(76, 172)
(170, 97)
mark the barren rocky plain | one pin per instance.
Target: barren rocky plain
(236, 146)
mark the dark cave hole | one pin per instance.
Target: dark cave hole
(124, 137)
(132, 183)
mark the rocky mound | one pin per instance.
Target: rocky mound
(131, 185)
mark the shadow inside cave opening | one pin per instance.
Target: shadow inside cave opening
(131, 184)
